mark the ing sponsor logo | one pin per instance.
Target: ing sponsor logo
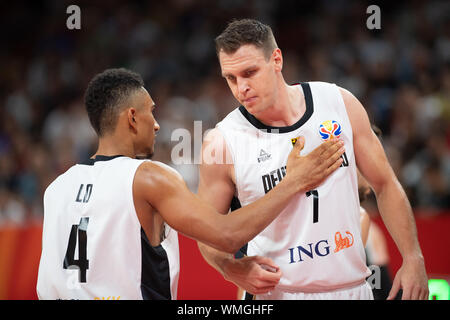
(321, 248)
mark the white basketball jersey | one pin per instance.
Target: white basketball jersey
(316, 240)
(93, 246)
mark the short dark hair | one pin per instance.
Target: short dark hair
(105, 94)
(246, 31)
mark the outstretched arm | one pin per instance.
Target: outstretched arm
(392, 202)
(185, 212)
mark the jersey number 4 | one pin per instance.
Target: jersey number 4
(82, 262)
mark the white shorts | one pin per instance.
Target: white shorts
(359, 292)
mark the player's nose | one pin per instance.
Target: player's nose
(243, 87)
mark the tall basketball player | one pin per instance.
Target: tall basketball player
(105, 234)
(316, 240)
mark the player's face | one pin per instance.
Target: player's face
(251, 77)
(147, 126)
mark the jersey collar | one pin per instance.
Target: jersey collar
(91, 161)
(308, 113)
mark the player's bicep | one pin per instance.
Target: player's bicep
(369, 153)
(215, 184)
(182, 210)
(168, 194)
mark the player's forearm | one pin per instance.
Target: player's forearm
(215, 258)
(230, 232)
(245, 223)
(399, 219)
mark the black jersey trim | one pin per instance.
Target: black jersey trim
(270, 129)
(155, 272)
(234, 205)
(91, 161)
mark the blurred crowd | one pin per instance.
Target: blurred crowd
(401, 74)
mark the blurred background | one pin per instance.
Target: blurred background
(400, 73)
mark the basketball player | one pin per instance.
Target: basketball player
(105, 234)
(316, 240)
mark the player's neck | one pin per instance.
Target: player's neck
(109, 146)
(288, 108)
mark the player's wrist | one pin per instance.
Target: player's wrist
(223, 262)
(415, 257)
(291, 185)
(226, 266)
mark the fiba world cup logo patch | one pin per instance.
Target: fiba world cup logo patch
(330, 129)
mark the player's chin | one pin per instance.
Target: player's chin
(252, 108)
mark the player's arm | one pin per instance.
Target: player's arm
(216, 187)
(185, 212)
(392, 202)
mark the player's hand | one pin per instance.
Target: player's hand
(255, 274)
(412, 279)
(311, 170)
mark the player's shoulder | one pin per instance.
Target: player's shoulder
(154, 178)
(327, 87)
(345, 93)
(233, 119)
(214, 136)
(215, 149)
(153, 168)
(322, 85)
(168, 168)
(59, 181)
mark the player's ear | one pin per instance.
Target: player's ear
(277, 59)
(131, 116)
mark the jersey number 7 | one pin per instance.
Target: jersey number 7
(82, 262)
